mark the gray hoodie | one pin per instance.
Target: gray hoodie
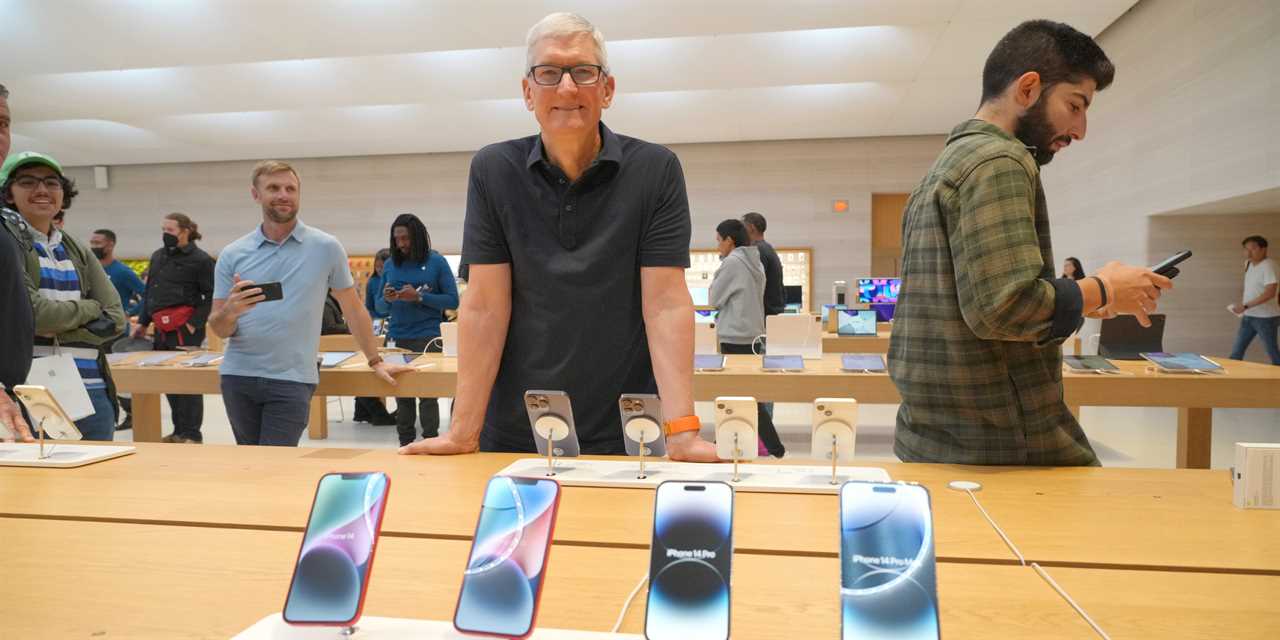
(737, 291)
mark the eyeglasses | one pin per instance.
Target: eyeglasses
(52, 183)
(550, 75)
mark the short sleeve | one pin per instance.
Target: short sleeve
(339, 269)
(223, 274)
(1268, 273)
(483, 239)
(665, 241)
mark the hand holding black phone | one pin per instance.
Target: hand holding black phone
(1167, 268)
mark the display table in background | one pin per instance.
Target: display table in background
(1245, 385)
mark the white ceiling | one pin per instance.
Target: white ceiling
(144, 81)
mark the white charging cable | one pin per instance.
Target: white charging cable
(626, 606)
(969, 488)
(755, 342)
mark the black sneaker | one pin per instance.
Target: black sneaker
(126, 425)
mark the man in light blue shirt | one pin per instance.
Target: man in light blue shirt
(269, 369)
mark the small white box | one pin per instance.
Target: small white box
(1256, 475)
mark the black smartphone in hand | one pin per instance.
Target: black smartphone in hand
(270, 291)
(1167, 268)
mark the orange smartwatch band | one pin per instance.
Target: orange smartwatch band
(681, 425)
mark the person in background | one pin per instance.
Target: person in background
(419, 284)
(178, 301)
(1259, 311)
(737, 292)
(774, 294)
(374, 410)
(76, 309)
(1071, 268)
(374, 302)
(129, 287)
(17, 325)
(269, 372)
(127, 283)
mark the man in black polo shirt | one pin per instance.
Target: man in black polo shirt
(774, 294)
(577, 241)
(17, 326)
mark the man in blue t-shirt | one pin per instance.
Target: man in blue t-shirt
(269, 372)
(126, 282)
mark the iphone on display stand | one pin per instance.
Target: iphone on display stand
(641, 415)
(551, 418)
(331, 575)
(506, 570)
(690, 558)
(47, 416)
(888, 586)
(835, 427)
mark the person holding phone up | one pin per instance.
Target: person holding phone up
(269, 371)
(419, 285)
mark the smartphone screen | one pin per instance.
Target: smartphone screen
(708, 362)
(504, 575)
(332, 572)
(782, 363)
(1088, 363)
(689, 562)
(887, 581)
(862, 362)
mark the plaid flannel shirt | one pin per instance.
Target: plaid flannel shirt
(975, 350)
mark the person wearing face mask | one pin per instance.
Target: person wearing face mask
(975, 351)
(177, 302)
(126, 282)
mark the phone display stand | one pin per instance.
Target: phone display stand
(642, 430)
(62, 456)
(736, 441)
(273, 627)
(761, 477)
(833, 436)
(553, 429)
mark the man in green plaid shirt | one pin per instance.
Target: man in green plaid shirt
(975, 351)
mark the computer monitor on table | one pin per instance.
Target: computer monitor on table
(878, 290)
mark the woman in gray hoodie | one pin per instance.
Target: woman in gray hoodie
(737, 292)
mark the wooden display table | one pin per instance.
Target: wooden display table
(1087, 517)
(1245, 385)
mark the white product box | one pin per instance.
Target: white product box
(1256, 475)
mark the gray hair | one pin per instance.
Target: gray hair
(559, 25)
(4, 93)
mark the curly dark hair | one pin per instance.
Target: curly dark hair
(69, 191)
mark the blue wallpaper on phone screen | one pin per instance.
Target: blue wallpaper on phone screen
(500, 585)
(335, 549)
(887, 583)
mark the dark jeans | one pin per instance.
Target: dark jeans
(266, 411)
(370, 410)
(427, 409)
(1264, 328)
(768, 433)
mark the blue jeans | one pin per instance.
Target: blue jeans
(1264, 328)
(102, 424)
(264, 411)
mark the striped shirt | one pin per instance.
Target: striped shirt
(60, 281)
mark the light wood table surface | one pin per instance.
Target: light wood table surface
(175, 582)
(879, 343)
(1086, 517)
(1245, 385)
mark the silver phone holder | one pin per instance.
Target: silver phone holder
(735, 433)
(642, 430)
(553, 429)
(833, 439)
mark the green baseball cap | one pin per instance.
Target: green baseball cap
(26, 158)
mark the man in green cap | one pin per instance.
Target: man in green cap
(76, 309)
